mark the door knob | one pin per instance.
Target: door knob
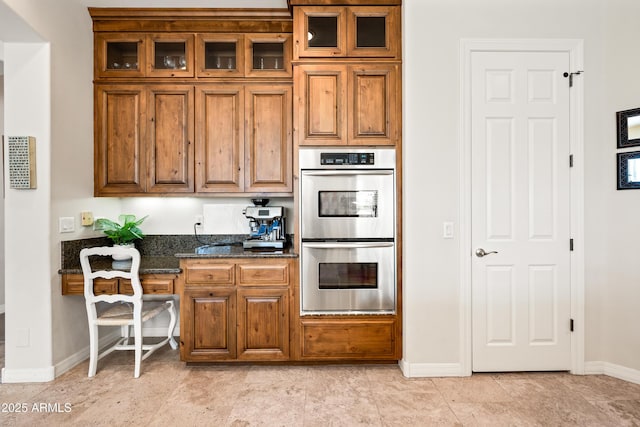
(480, 252)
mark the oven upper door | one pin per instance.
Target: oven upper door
(347, 204)
(341, 277)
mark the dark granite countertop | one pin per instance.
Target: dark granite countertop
(160, 254)
(148, 265)
(236, 251)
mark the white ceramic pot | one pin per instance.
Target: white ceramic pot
(123, 257)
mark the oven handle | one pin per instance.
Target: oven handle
(348, 172)
(347, 245)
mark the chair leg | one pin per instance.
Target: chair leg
(93, 349)
(172, 325)
(125, 333)
(137, 336)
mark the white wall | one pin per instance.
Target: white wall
(619, 284)
(1, 179)
(432, 31)
(28, 303)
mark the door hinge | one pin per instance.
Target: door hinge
(570, 160)
(570, 244)
(570, 75)
(571, 325)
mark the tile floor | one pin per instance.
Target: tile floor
(170, 393)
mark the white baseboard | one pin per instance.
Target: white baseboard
(159, 332)
(31, 375)
(414, 370)
(82, 355)
(612, 370)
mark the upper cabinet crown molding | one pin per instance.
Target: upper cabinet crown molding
(344, 2)
(221, 20)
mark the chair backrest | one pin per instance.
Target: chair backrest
(90, 275)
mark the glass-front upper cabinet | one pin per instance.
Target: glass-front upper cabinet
(170, 55)
(352, 31)
(268, 55)
(119, 55)
(220, 55)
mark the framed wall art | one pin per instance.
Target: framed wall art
(628, 128)
(628, 170)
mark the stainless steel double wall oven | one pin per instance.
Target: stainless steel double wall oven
(348, 230)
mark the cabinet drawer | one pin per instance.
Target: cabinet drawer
(263, 274)
(151, 284)
(346, 339)
(73, 284)
(218, 274)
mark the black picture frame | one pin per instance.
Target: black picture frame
(622, 119)
(622, 163)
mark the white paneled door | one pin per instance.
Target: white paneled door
(521, 211)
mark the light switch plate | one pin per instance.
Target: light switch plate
(447, 230)
(67, 224)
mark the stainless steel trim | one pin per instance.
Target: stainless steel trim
(309, 157)
(348, 172)
(347, 245)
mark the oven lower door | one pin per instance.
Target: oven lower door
(348, 277)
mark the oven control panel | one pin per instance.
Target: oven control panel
(328, 159)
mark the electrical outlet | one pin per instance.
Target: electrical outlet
(87, 218)
(199, 220)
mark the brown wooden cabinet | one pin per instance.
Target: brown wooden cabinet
(346, 31)
(355, 338)
(152, 284)
(192, 101)
(244, 142)
(170, 55)
(120, 150)
(347, 104)
(268, 138)
(143, 139)
(235, 309)
(170, 138)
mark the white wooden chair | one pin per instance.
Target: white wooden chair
(123, 311)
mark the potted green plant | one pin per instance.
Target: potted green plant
(122, 233)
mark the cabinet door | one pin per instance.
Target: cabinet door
(119, 161)
(321, 104)
(208, 324)
(268, 138)
(319, 31)
(220, 138)
(119, 55)
(170, 134)
(373, 31)
(268, 55)
(220, 55)
(263, 323)
(170, 55)
(374, 114)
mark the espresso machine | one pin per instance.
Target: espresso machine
(267, 225)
